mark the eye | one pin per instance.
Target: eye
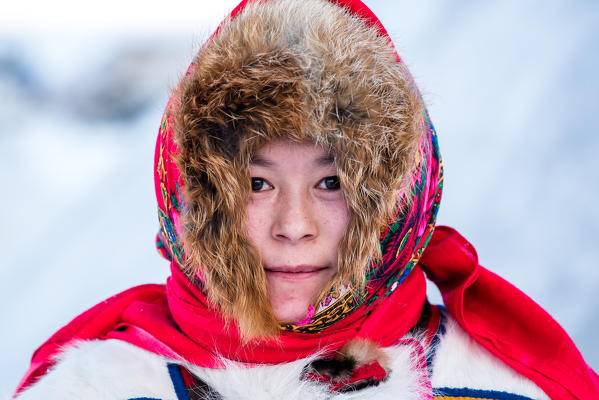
(330, 183)
(260, 184)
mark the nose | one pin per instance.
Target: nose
(295, 220)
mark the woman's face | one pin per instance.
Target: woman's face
(295, 218)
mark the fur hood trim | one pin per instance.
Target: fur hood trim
(305, 71)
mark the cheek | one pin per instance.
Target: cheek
(335, 217)
(256, 219)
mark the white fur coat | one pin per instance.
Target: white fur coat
(112, 369)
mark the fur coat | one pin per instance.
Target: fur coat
(459, 368)
(455, 366)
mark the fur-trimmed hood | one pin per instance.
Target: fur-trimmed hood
(307, 71)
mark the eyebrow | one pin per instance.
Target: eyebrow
(323, 161)
(261, 162)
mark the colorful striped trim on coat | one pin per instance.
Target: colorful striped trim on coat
(188, 386)
(467, 394)
(434, 331)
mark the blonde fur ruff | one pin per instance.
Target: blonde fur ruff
(305, 71)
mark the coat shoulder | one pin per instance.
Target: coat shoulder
(463, 367)
(103, 369)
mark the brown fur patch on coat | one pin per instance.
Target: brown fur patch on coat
(354, 354)
(308, 71)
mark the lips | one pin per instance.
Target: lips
(294, 271)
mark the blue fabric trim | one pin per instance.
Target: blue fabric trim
(178, 384)
(430, 355)
(144, 398)
(478, 393)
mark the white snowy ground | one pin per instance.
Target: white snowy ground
(511, 88)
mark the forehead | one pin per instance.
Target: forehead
(286, 152)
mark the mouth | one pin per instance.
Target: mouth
(294, 271)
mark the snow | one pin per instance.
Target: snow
(511, 88)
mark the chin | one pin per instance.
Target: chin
(293, 312)
(291, 298)
(290, 302)
(292, 305)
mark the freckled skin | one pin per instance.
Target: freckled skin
(295, 219)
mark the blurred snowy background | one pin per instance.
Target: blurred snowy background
(511, 87)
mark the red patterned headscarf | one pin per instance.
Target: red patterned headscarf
(402, 241)
(336, 320)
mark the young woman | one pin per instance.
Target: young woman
(298, 179)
